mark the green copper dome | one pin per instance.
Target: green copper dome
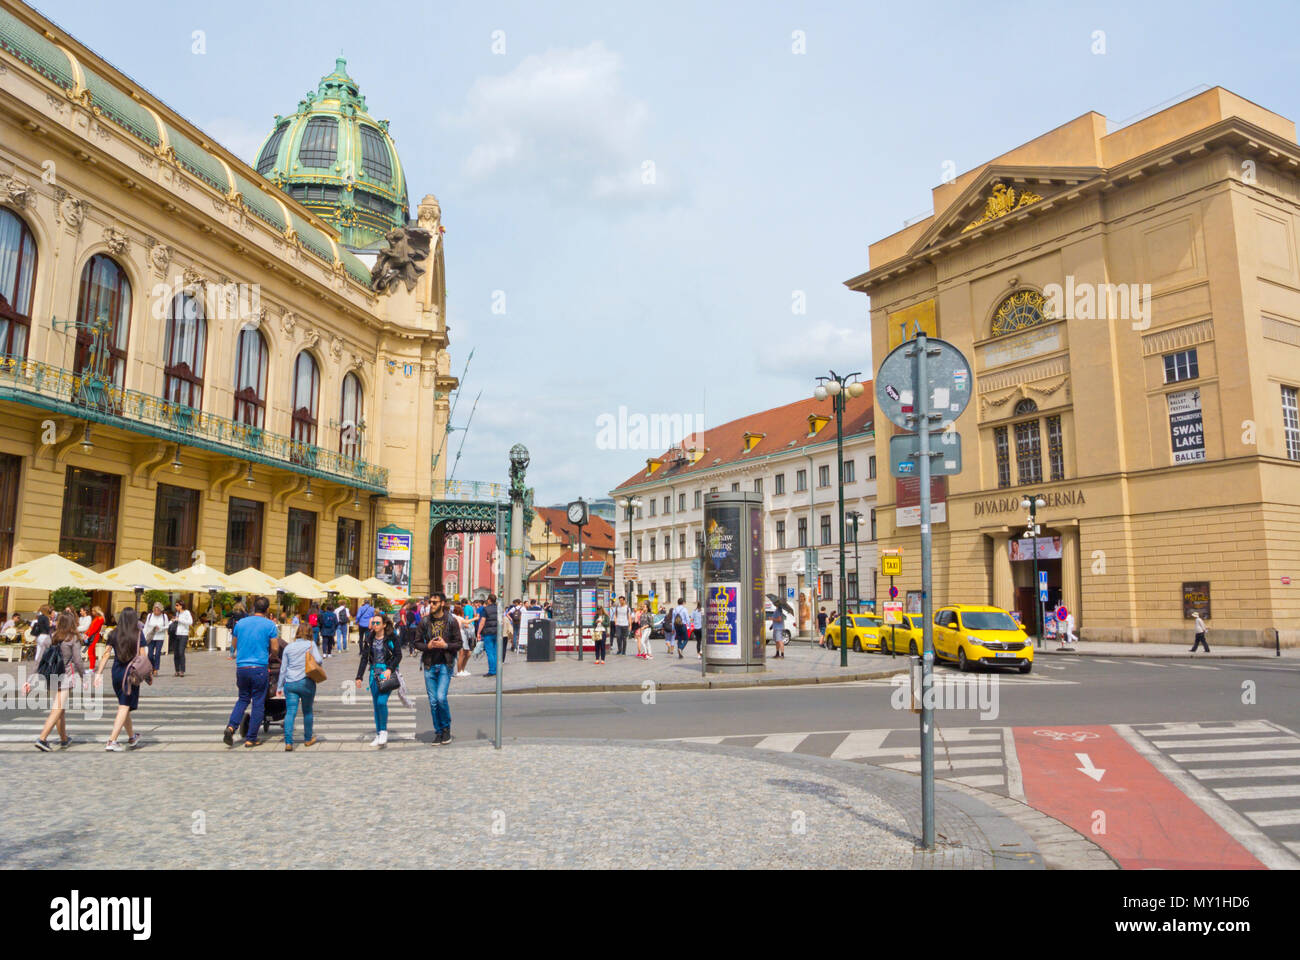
(337, 161)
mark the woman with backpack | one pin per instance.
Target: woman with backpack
(326, 624)
(126, 680)
(297, 685)
(60, 667)
(380, 655)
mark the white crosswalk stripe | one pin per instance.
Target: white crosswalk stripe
(1245, 777)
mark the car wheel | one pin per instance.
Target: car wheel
(911, 648)
(962, 663)
(1026, 666)
(857, 645)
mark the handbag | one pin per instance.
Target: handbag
(390, 682)
(315, 672)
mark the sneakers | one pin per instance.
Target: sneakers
(441, 737)
(44, 746)
(288, 748)
(114, 747)
(381, 738)
(309, 743)
(229, 736)
(251, 743)
(132, 740)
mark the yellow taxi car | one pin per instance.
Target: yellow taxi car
(905, 638)
(968, 634)
(864, 632)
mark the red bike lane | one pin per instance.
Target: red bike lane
(1093, 780)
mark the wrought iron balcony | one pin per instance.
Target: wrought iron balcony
(61, 391)
(475, 490)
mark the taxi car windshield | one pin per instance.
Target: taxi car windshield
(987, 620)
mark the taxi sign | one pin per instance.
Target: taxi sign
(891, 566)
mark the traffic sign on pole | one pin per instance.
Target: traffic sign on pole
(891, 566)
(947, 384)
(945, 454)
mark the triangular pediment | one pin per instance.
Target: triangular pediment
(1001, 195)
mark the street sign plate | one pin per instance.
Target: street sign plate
(950, 383)
(945, 454)
(891, 566)
(893, 612)
(893, 592)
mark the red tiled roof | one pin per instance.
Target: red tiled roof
(552, 569)
(597, 535)
(786, 428)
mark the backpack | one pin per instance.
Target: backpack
(345, 618)
(52, 664)
(139, 670)
(328, 621)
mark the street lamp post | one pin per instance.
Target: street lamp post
(629, 504)
(1032, 530)
(839, 389)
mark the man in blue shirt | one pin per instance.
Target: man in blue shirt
(364, 613)
(253, 636)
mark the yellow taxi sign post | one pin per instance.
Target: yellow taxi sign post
(891, 566)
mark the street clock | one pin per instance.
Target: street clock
(578, 513)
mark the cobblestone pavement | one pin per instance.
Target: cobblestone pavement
(532, 804)
(212, 673)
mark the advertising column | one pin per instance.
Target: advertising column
(734, 639)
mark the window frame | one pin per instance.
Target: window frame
(120, 335)
(10, 314)
(305, 418)
(250, 400)
(182, 378)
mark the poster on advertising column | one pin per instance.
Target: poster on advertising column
(393, 557)
(720, 627)
(1186, 428)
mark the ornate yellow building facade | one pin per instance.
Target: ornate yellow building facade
(193, 364)
(1130, 302)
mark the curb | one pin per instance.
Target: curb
(1139, 655)
(637, 687)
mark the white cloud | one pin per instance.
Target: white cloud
(812, 350)
(236, 135)
(561, 122)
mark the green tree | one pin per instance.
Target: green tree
(66, 597)
(156, 596)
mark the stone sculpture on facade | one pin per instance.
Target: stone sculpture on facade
(403, 260)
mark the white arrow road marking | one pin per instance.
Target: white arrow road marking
(1088, 768)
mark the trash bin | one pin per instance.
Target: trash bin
(541, 640)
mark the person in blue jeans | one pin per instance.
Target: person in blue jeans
(439, 643)
(253, 637)
(296, 687)
(488, 620)
(380, 654)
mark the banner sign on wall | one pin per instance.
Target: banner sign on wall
(1186, 429)
(393, 557)
(1196, 599)
(1022, 548)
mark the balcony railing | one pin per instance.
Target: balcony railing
(62, 391)
(470, 490)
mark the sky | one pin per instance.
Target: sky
(654, 207)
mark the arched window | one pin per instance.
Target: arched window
(105, 294)
(306, 391)
(350, 418)
(1022, 309)
(250, 378)
(187, 341)
(1025, 407)
(17, 276)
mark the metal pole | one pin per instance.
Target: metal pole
(922, 394)
(578, 605)
(1033, 536)
(500, 581)
(839, 457)
(857, 576)
(893, 630)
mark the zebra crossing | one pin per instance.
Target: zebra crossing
(1250, 768)
(983, 757)
(198, 722)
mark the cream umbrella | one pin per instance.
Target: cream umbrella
(142, 574)
(378, 588)
(350, 587)
(200, 578)
(303, 586)
(250, 580)
(52, 571)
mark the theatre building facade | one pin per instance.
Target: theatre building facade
(195, 364)
(1130, 303)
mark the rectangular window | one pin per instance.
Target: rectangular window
(244, 534)
(1029, 454)
(871, 469)
(824, 476)
(699, 498)
(1181, 366)
(681, 503)
(668, 504)
(347, 549)
(654, 587)
(1055, 448)
(758, 484)
(849, 472)
(627, 549)
(826, 529)
(639, 515)
(89, 532)
(800, 481)
(780, 586)
(779, 484)
(175, 527)
(300, 551)
(735, 487)
(681, 544)
(828, 587)
(453, 562)
(654, 544)
(668, 542)
(803, 531)
(638, 549)
(1291, 422)
(681, 589)
(713, 489)
(780, 534)
(851, 589)
(1003, 452)
(653, 505)
(873, 523)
